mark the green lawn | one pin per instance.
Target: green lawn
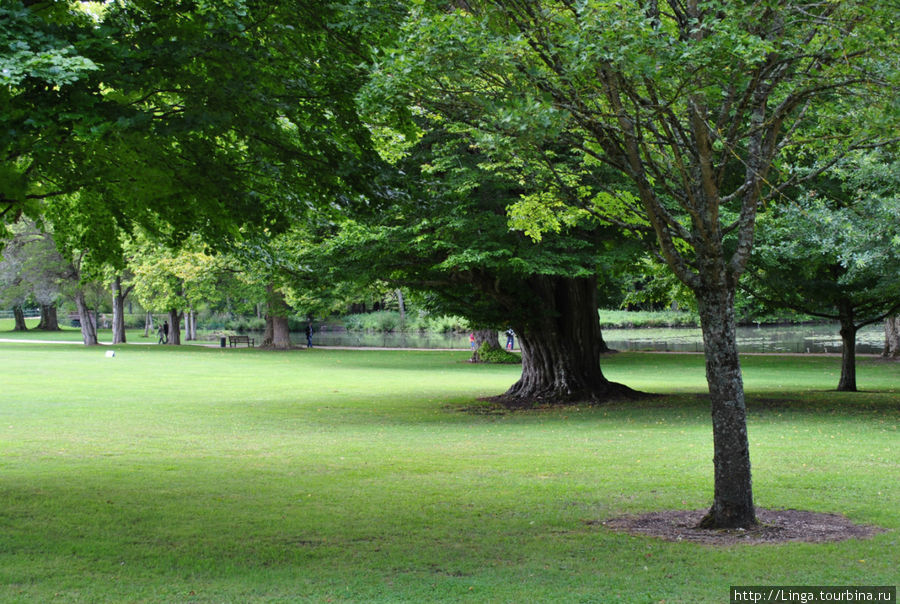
(73, 334)
(209, 475)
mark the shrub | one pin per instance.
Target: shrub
(382, 321)
(498, 356)
(135, 321)
(445, 324)
(662, 318)
(213, 321)
(389, 321)
(297, 323)
(244, 324)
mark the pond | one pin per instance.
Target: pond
(779, 338)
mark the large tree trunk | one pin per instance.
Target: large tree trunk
(561, 349)
(174, 327)
(486, 335)
(482, 336)
(892, 337)
(278, 334)
(49, 318)
(847, 382)
(733, 499)
(86, 318)
(19, 319)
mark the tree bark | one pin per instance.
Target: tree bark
(561, 348)
(733, 499)
(190, 325)
(482, 336)
(847, 382)
(19, 319)
(401, 306)
(486, 335)
(148, 324)
(892, 337)
(278, 333)
(174, 327)
(49, 318)
(86, 318)
(118, 304)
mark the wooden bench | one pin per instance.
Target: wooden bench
(235, 340)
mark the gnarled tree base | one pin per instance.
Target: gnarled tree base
(550, 397)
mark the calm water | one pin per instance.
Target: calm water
(798, 339)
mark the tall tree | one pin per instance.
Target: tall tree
(693, 103)
(43, 69)
(172, 281)
(201, 117)
(447, 233)
(835, 253)
(32, 269)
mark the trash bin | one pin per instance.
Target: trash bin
(222, 342)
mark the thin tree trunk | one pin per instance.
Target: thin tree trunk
(174, 327)
(402, 306)
(118, 304)
(148, 324)
(892, 337)
(847, 382)
(19, 319)
(49, 318)
(561, 349)
(190, 325)
(88, 327)
(733, 500)
(278, 335)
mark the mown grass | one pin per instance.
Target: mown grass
(207, 475)
(68, 333)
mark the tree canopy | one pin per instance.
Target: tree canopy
(835, 252)
(694, 105)
(240, 121)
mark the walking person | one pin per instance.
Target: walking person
(309, 332)
(510, 341)
(162, 335)
(165, 328)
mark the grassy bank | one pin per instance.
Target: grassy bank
(73, 334)
(207, 475)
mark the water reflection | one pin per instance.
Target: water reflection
(792, 338)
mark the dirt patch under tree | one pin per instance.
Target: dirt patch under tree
(775, 526)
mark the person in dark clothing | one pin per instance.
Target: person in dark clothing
(510, 335)
(165, 329)
(309, 335)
